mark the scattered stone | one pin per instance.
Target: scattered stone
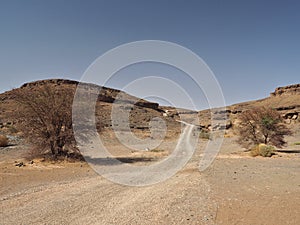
(20, 164)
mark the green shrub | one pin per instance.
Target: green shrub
(297, 143)
(3, 141)
(262, 150)
(266, 150)
(204, 135)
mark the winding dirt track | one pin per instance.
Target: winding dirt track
(182, 199)
(235, 189)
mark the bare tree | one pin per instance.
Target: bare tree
(45, 118)
(262, 125)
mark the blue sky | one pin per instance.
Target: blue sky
(251, 46)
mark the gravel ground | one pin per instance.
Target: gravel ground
(235, 189)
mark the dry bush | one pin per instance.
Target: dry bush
(44, 117)
(262, 125)
(204, 135)
(3, 141)
(262, 150)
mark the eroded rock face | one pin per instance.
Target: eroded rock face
(291, 115)
(287, 90)
(51, 81)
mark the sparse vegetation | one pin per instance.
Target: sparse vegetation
(262, 125)
(262, 150)
(3, 141)
(204, 135)
(297, 143)
(45, 119)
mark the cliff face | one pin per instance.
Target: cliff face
(287, 90)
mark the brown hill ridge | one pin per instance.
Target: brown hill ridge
(284, 99)
(141, 111)
(287, 90)
(106, 95)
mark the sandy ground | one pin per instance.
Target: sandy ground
(235, 189)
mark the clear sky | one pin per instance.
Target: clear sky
(251, 46)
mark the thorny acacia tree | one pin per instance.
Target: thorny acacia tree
(262, 125)
(45, 118)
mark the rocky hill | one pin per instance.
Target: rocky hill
(287, 90)
(141, 111)
(285, 100)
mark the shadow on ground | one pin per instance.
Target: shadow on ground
(118, 160)
(288, 151)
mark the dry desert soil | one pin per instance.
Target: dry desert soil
(235, 189)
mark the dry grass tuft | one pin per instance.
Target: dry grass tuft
(262, 150)
(3, 141)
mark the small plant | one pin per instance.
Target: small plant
(3, 141)
(254, 151)
(266, 150)
(262, 150)
(204, 135)
(297, 143)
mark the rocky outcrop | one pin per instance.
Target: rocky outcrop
(287, 90)
(108, 95)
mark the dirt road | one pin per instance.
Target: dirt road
(184, 199)
(234, 190)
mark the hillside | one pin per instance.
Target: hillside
(141, 111)
(285, 100)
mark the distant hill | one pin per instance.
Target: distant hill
(285, 100)
(141, 111)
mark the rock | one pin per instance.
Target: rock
(228, 111)
(287, 90)
(228, 124)
(235, 111)
(20, 164)
(286, 107)
(146, 104)
(291, 115)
